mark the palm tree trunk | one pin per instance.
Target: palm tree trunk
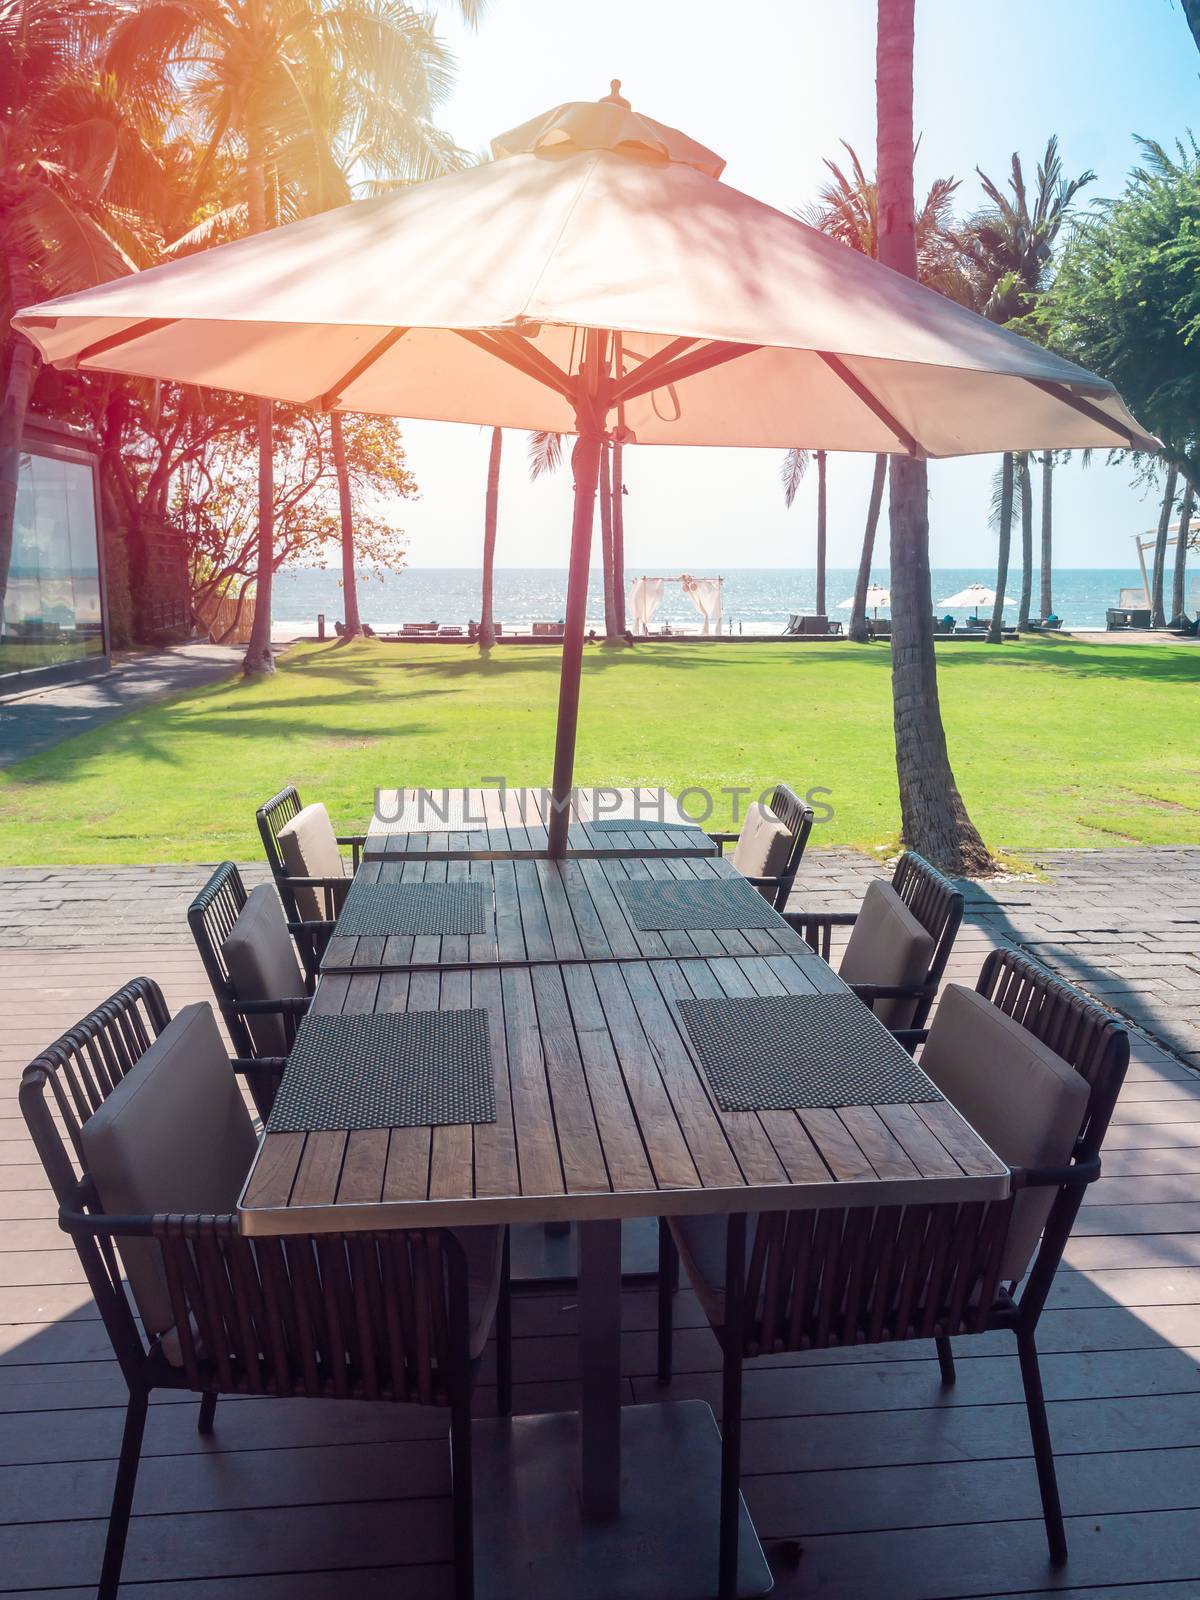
(353, 624)
(491, 509)
(1047, 533)
(933, 819)
(1026, 486)
(258, 659)
(611, 632)
(996, 631)
(22, 371)
(1158, 617)
(858, 613)
(1181, 546)
(821, 533)
(618, 533)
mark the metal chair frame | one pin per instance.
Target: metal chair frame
(845, 1277)
(936, 904)
(275, 814)
(361, 1316)
(211, 917)
(795, 814)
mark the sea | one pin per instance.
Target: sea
(756, 600)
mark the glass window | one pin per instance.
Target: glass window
(52, 611)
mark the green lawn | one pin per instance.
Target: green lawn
(1054, 742)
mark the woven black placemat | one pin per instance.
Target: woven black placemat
(387, 1070)
(696, 903)
(784, 1052)
(644, 825)
(399, 909)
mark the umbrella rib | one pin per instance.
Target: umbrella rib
(1057, 391)
(520, 354)
(115, 340)
(332, 395)
(651, 366)
(711, 355)
(859, 389)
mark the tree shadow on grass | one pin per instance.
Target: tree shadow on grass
(1068, 658)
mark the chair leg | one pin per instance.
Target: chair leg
(668, 1271)
(1043, 1449)
(462, 1493)
(122, 1500)
(731, 1407)
(731, 1470)
(946, 1361)
(208, 1410)
(504, 1337)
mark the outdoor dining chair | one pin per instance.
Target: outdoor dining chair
(305, 856)
(146, 1141)
(247, 951)
(1035, 1067)
(900, 940)
(768, 850)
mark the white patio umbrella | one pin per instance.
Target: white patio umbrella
(595, 278)
(876, 597)
(975, 595)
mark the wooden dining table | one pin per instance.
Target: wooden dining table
(603, 1111)
(511, 822)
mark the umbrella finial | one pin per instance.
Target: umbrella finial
(615, 97)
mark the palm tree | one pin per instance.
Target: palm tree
(1025, 490)
(1008, 251)
(545, 456)
(847, 209)
(1158, 616)
(1047, 597)
(491, 505)
(1181, 548)
(794, 466)
(619, 492)
(353, 623)
(1001, 520)
(80, 186)
(934, 820)
(250, 75)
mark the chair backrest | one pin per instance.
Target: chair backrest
(309, 849)
(358, 1316)
(271, 817)
(218, 915)
(938, 906)
(797, 817)
(863, 1275)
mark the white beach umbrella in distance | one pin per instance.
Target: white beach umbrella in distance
(595, 278)
(876, 596)
(976, 595)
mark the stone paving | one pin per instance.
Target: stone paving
(33, 720)
(1123, 924)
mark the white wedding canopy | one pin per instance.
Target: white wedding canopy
(596, 276)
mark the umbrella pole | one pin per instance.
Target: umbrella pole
(586, 461)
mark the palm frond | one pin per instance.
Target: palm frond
(545, 453)
(791, 472)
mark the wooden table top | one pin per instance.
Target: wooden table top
(541, 910)
(460, 824)
(604, 1111)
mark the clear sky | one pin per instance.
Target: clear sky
(773, 85)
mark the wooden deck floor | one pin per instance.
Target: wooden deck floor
(896, 1489)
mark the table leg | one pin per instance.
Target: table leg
(600, 1368)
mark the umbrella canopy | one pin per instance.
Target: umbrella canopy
(975, 594)
(595, 277)
(876, 597)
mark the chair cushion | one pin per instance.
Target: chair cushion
(700, 1241)
(887, 945)
(173, 1136)
(763, 845)
(262, 965)
(1025, 1101)
(309, 849)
